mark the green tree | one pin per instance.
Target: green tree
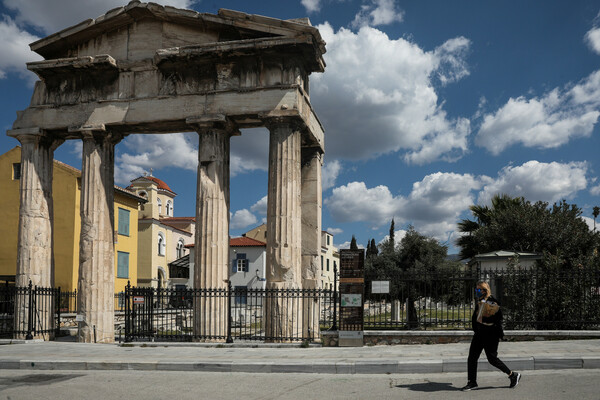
(595, 213)
(353, 245)
(515, 224)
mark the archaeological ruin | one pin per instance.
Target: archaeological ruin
(146, 68)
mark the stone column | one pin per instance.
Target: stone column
(284, 257)
(96, 248)
(311, 236)
(35, 258)
(211, 256)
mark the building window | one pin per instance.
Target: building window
(159, 203)
(180, 248)
(321, 263)
(328, 237)
(16, 171)
(123, 222)
(169, 208)
(122, 264)
(161, 244)
(240, 264)
(328, 264)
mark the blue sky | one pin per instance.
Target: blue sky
(428, 107)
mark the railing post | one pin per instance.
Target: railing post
(29, 335)
(229, 338)
(57, 305)
(334, 326)
(127, 312)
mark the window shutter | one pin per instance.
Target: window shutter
(234, 266)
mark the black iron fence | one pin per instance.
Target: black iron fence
(227, 314)
(534, 298)
(68, 302)
(29, 312)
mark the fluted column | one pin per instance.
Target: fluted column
(35, 258)
(311, 196)
(96, 248)
(284, 249)
(211, 256)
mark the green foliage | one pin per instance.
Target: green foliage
(353, 245)
(413, 269)
(515, 224)
(549, 296)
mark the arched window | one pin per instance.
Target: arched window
(143, 194)
(180, 248)
(169, 208)
(159, 203)
(161, 244)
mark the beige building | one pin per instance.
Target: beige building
(330, 260)
(162, 237)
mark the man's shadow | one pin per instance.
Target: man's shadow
(429, 387)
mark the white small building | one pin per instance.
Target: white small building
(497, 260)
(248, 263)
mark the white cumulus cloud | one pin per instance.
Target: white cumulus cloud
(55, 15)
(241, 219)
(592, 37)
(142, 152)
(546, 122)
(260, 207)
(330, 172)
(433, 206)
(334, 231)
(311, 5)
(536, 181)
(14, 48)
(385, 90)
(378, 12)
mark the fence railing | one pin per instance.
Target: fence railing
(227, 314)
(68, 302)
(29, 312)
(533, 298)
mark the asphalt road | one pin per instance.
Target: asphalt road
(131, 385)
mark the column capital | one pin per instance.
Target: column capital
(294, 122)
(98, 133)
(213, 122)
(33, 135)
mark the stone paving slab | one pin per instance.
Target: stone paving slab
(433, 358)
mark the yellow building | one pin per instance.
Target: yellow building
(162, 237)
(67, 224)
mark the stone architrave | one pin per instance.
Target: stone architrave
(284, 228)
(211, 258)
(312, 161)
(35, 258)
(95, 302)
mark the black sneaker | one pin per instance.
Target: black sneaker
(469, 386)
(515, 377)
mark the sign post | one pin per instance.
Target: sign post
(352, 285)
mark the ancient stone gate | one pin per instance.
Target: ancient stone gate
(145, 68)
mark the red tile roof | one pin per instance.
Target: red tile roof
(240, 242)
(161, 184)
(245, 242)
(178, 219)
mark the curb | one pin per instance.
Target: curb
(316, 367)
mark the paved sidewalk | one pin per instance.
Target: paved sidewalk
(434, 358)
